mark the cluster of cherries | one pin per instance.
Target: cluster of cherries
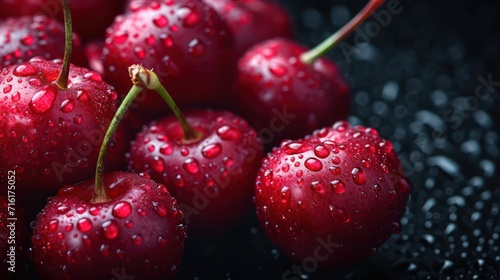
(195, 173)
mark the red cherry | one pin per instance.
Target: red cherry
(138, 232)
(335, 197)
(211, 176)
(253, 21)
(48, 135)
(90, 17)
(284, 88)
(26, 37)
(180, 39)
(277, 91)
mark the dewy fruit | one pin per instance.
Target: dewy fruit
(207, 159)
(341, 190)
(26, 37)
(211, 176)
(137, 232)
(53, 116)
(279, 77)
(184, 41)
(253, 21)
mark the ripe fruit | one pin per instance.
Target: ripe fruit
(186, 43)
(91, 17)
(211, 176)
(137, 232)
(342, 190)
(253, 21)
(26, 37)
(280, 77)
(53, 117)
(13, 235)
(207, 159)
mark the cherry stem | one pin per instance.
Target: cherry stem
(99, 190)
(62, 79)
(150, 81)
(310, 56)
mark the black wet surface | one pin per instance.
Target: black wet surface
(428, 79)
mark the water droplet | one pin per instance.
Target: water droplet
(82, 95)
(162, 242)
(120, 38)
(161, 211)
(335, 160)
(377, 188)
(358, 176)
(68, 227)
(160, 21)
(335, 170)
(166, 149)
(110, 229)
(278, 70)
(229, 133)
(338, 186)
(139, 52)
(94, 211)
(63, 209)
(189, 17)
(386, 146)
(212, 150)
(129, 223)
(24, 69)
(150, 40)
(67, 105)
(53, 225)
(93, 76)
(285, 194)
(338, 214)
(196, 48)
(285, 167)
(184, 152)
(122, 210)
(317, 187)
(179, 180)
(7, 88)
(84, 225)
(158, 164)
(28, 40)
(191, 165)
(137, 239)
(313, 164)
(321, 151)
(166, 40)
(16, 96)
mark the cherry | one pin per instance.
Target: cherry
(26, 37)
(13, 235)
(117, 223)
(185, 41)
(207, 159)
(91, 17)
(53, 117)
(137, 231)
(341, 190)
(279, 75)
(253, 21)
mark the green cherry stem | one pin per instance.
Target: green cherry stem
(62, 79)
(150, 81)
(99, 190)
(310, 56)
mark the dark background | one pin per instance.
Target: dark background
(421, 82)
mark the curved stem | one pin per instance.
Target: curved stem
(310, 56)
(62, 79)
(99, 190)
(149, 80)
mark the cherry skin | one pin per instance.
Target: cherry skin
(253, 21)
(341, 190)
(26, 37)
(50, 136)
(274, 82)
(138, 232)
(90, 17)
(211, 176)
(184, 41)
